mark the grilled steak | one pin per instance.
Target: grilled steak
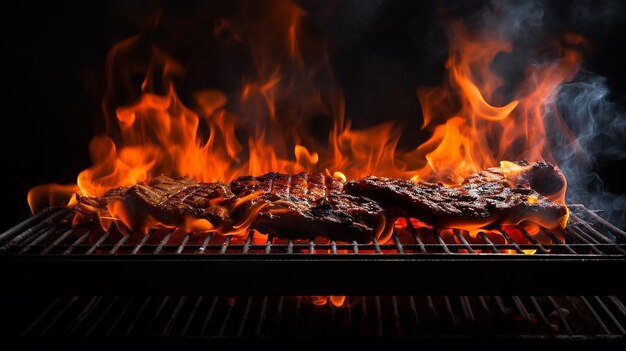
(489, 197)
(169, 200)
(336, 217)
(165, 199)
(306, 205)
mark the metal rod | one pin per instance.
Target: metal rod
(15, 240)
(39, 239)
(485, 238)
(355, 247)
(119, 316)
(441, 242)
(58, 316)
(142, 242)
(119, 244)
(58, 241)
(396, 241)
(104, 313)
(209, 315)
(156, 315)
(77, 242)
(28, 223)
(379, 321)
(229, 310)
(183, 243)
(595, 315)
(532, 239)
(460, 236)
(225, 244)
(190, 316)
(82, 315)
(259, 324)
(244, 317)
(246, 245)
(312, 246)
(170, 323)
(513, 242)
(376, 246)
(43, 314)
(163, 242)
(100, 241)
(143, 306)
(205, 243)
(542, 316)
(611, 316)
(559, 312)
(415, 235)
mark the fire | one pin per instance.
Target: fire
(266, 124)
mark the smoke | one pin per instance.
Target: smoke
(600, 128)
(585, 103)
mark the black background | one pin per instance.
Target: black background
(53, 78)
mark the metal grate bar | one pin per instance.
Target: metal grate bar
(120, 316)
(205, 243)
(542, 316)
(415, 235)
(99, 242)
(594, 217)
(244, 318)
(610, 315)
(190, 316)
(143, 241)
(261, 320)
(184, 242)
(37, 240)
(119, 244)
(89, 307)
(209, 315)
(595, 315)
(460, 236)
(105, 312)
(58, 241)
(57, 317)
(486, 239)
(77, 242)
(16, 234)
(31, 223)
(532, 240)
(513, 242)
(589, 229)
(134, 320)
(396, 241)
(229, 311)
(376, 246)
(41, 317)
(170, 323)
(163, 242)
(441, 242)
(561, 315)
(246, 246)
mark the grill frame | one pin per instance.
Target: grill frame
(106, 266)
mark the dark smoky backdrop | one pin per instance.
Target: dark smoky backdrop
(54, 81)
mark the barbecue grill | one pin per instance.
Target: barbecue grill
(87, 282)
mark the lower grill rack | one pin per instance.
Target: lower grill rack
(214, 318)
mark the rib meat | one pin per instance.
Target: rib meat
(490, 197)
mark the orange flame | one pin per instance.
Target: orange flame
(266, 125)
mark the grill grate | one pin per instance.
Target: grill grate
(49, 233)
(530, 317)
(61, 260)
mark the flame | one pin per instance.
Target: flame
(266, 124)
